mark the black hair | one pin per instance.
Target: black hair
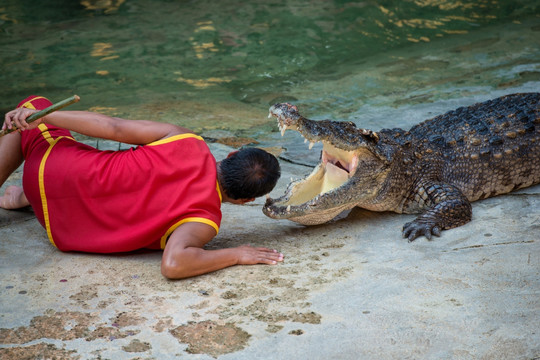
(249, 173)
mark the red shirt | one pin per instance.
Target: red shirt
(116, 201)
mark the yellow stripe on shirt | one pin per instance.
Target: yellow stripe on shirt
(219, 192)
(174, 138)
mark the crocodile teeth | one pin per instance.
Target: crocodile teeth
(269, 115)
(288, 208)
(283, 128)
(311, 145)
(305, 140)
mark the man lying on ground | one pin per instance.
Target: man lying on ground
(164, 194)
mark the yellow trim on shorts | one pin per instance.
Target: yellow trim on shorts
(183, 221)
(174, 138)
(42, 191)
(44, 131)
(29, 104)
(41, 177)
(46, 134)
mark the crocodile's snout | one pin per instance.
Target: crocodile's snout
(287, 116)
(284, 110)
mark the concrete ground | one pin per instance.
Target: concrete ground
(350, 289)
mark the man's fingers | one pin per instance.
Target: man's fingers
(11, 119)
(271, 253)
(7, 121)
(17, 118)
(271, 257)
(260, 255)
(20, 119)
(266, 250)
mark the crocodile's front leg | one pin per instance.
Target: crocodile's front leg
(447, 208)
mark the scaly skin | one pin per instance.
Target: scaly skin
(437, 168)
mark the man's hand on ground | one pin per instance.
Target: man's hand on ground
(248, 255)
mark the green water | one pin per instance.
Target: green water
(219, 65)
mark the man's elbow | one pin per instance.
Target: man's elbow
(172, 270)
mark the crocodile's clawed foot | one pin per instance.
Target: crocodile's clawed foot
(414, 229)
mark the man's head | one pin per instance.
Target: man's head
(248, 173)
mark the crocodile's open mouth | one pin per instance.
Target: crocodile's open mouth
(311, 200)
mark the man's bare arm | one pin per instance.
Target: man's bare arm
(136, 132)
(184, 255)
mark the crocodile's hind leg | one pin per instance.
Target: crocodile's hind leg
(447, 208)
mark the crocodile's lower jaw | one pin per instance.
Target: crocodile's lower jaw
(321, 216)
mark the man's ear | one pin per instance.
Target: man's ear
(243, 201)
(232, 154)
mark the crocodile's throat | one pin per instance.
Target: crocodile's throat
(335, 169)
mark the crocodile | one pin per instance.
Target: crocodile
(435, 169)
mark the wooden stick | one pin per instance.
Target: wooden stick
(54, 107)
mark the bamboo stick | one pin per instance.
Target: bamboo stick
(54, 107)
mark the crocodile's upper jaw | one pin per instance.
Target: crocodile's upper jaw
(317, 198)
